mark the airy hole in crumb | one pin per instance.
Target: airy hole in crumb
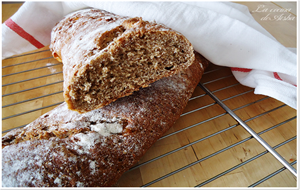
(169, 68)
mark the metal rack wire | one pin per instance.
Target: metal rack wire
(212, 91)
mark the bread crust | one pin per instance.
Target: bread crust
(107, 56)
(63, 148)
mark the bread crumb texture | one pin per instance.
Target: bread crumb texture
(106, 56)
(63, 148)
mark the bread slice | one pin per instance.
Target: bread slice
(106, 56)
(63, 148)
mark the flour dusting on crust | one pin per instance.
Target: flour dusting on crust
(63, 148)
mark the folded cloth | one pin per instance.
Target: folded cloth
(223, 32)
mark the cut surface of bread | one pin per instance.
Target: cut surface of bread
(106, 56)
(63, 148)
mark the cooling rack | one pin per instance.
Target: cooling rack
(226, 137)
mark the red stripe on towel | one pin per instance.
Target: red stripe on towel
(241, 69)
(276, 76)
(21, 32)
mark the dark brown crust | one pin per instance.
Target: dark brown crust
(50, 151)
(89, 38)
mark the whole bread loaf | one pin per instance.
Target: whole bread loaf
(106, 56)
(63, 148)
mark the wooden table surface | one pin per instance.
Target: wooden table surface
(206, 146)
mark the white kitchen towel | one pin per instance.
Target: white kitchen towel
(225, 33)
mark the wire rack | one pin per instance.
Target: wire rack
(226, 137)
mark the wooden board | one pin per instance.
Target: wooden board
(206, 146)
(8, 9)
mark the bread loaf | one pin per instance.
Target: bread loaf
(63, 148)
(106, 56)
